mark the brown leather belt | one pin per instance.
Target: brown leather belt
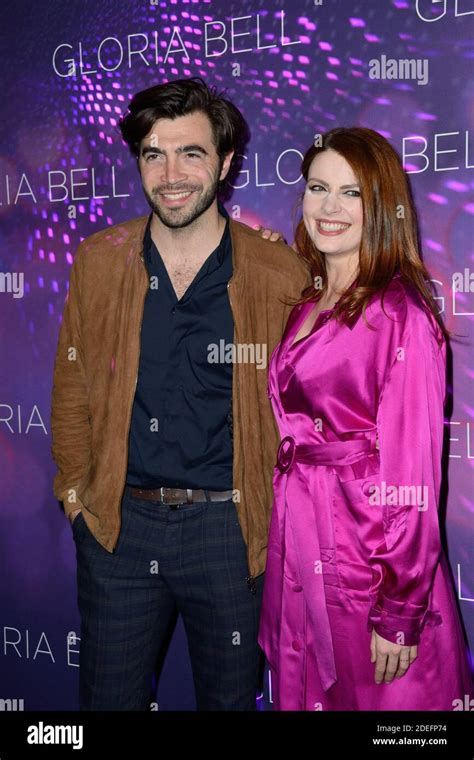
(176, 496)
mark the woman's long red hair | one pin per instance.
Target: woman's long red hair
(390, 242)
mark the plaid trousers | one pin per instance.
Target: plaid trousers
(192, 561)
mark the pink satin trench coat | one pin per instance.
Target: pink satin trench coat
(354, 539)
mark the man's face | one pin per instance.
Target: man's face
(180, 168)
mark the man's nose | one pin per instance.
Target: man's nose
(172, 172)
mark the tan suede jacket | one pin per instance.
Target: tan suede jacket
(96, 371)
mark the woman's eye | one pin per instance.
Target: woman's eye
(319, 188)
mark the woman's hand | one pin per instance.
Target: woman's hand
(269, 234)
(391, 660)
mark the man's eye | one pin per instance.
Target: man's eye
(150, 156)
(193, 155)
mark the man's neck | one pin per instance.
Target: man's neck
(196, 240)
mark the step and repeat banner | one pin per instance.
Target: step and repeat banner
(295, 68)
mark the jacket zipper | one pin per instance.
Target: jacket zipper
(134, 388)
(249, 579)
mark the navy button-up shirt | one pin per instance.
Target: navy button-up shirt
(180, 433)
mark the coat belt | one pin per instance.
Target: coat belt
(300, 515)
(331, 453)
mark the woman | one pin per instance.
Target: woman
(358, 609)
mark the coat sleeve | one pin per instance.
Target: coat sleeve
(70, 424)
(410, 430)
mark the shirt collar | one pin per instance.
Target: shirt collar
(224, 246)
(147, 241)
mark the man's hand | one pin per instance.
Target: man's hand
(269, 234)
(73, 515)
(391, 660)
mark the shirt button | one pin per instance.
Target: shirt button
(296, 646)
(297, 587)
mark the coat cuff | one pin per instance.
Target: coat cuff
(400, 622)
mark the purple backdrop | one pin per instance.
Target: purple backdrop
(295, 69)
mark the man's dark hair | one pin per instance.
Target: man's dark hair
(179, 98)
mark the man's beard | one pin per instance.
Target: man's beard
(183, 217)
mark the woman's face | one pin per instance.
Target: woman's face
(332, 206)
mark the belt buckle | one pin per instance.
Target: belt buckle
(173, 504)
(285, 459)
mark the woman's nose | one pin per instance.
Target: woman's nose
(331, 203)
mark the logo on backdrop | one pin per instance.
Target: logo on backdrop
(234, 36)
(19, 418)
(25, 645)
(434, 10)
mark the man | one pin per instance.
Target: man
(163, 437)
